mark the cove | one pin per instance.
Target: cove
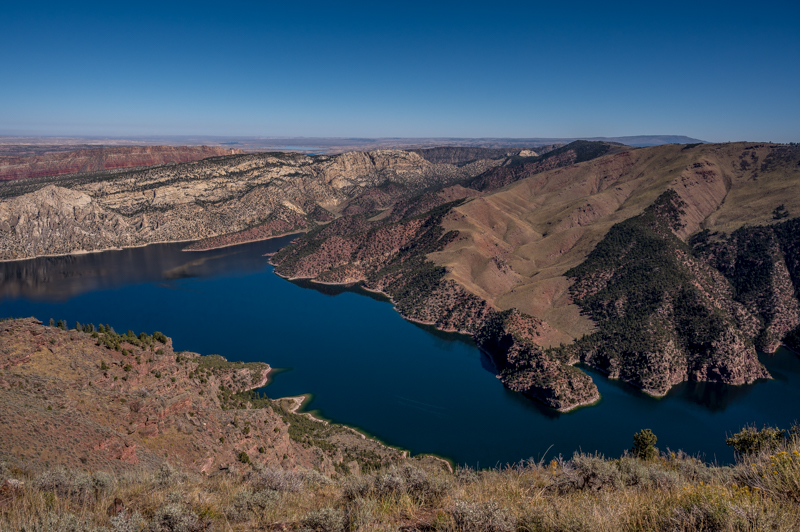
(408, 385)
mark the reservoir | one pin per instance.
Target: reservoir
(408, 385)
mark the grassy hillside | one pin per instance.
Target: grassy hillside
(644, 490)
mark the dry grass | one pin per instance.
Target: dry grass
(585, 493)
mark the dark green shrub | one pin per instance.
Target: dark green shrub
(644, 445)
(750, 440)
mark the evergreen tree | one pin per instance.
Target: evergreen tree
(644, 445)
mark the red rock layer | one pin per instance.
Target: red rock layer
(104, 159)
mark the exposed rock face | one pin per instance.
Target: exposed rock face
(513, 339)
(526, 163)
(68, 398)
(59, 220)
(257, 195)
(92, 160)
(763, 266)
(453, 155)
(388, 257)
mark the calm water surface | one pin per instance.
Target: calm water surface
(411, 386)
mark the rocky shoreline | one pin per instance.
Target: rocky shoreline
(587, 398)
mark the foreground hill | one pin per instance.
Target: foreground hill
(118, 433)
(636, 260)
(105, 401)
(107, 158)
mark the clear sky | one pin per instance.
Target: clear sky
(717, 71)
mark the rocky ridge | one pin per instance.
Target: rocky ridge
(219, 196)
(106, 158)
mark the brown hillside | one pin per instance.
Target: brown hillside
(516, 244)
(120, 403)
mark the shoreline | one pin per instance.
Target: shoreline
(85, 252)
(433, 324)
(373, 291)
(212, 248)
(265, 373)
(531, 396)
(581, 404)
(299, 400)
(89, 252)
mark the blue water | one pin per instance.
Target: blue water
(409, 385)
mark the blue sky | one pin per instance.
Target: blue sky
(718, 71)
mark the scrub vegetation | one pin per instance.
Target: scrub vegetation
(642, 490)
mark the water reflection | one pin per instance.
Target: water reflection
(714, 396)
(63, 277)
(334, 290)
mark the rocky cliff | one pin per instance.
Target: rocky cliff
(762, 265)
(92, 160)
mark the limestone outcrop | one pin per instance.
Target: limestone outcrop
(255, 195)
